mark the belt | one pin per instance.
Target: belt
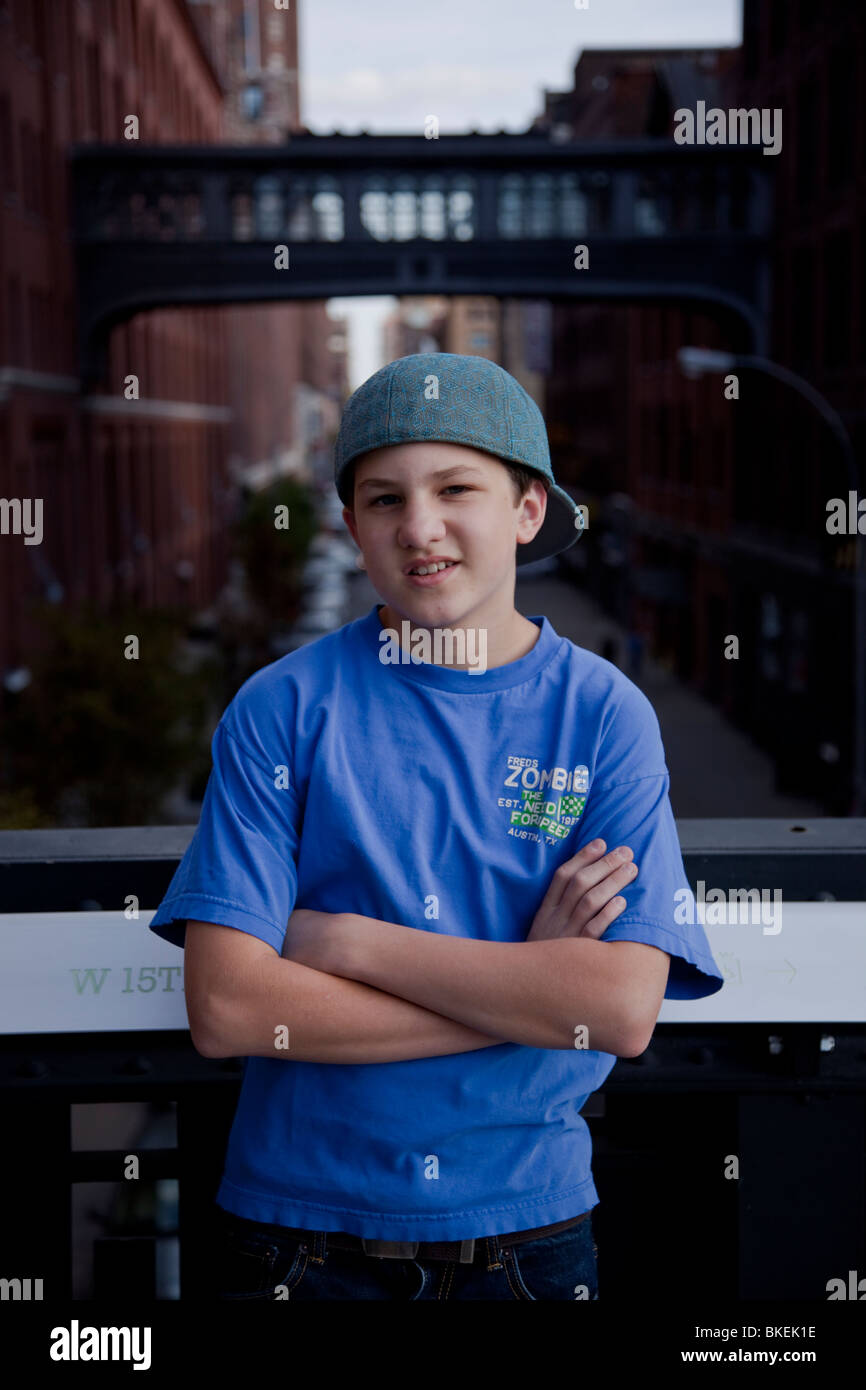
(461, 1251)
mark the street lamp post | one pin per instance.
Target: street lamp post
(695, 362)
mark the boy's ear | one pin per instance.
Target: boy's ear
(535, 503)
(349, 518)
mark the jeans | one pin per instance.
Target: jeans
(254, 1260)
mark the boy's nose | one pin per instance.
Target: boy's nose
(420, 525)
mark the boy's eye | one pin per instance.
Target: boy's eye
(388, 496)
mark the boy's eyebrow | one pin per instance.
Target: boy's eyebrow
(440, 473)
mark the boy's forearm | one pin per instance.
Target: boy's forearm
(536, 993)
(330, 1019)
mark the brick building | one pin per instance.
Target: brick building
(623, 422)
(795, 588)
(287, 373)
(138, 494)
(723, 531)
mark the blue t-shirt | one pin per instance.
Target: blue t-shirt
(443, 800)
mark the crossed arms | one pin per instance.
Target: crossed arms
(353, 989)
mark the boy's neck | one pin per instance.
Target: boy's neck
(505, 644)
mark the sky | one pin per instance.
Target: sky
(385, 65)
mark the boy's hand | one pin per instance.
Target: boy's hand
(581, 899)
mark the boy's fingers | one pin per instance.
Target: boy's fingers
(596, 906)
(583, 878)
(590, 864)
(563, 876)
(599, 924)
(598, 896)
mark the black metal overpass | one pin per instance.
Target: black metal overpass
(401, 214)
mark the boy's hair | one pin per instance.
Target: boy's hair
(521, 478)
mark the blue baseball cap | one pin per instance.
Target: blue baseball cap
(457, 399)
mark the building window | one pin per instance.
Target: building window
(751, 39)
(842, 117)
(22, 19)
(252, 101)
(40, 197)
(15, 347)
(130, 23)
(803, 299)
(7, 145)
(149, 56)
(119, 112)
(26, 166)
(39, 37)
(807, 142)
(837, 300)
(36, 344)
(94, 92)
(778, 25)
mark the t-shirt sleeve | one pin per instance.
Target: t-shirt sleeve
(628, 803)
(240, 868)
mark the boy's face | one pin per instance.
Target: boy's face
(419, 500)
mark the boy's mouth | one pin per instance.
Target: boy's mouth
(432, 573)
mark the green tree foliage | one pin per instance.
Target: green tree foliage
(97, 738)
(18, 811)
(274, 558)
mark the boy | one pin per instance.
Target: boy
(398, 887)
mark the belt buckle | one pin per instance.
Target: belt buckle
(390, 1249)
